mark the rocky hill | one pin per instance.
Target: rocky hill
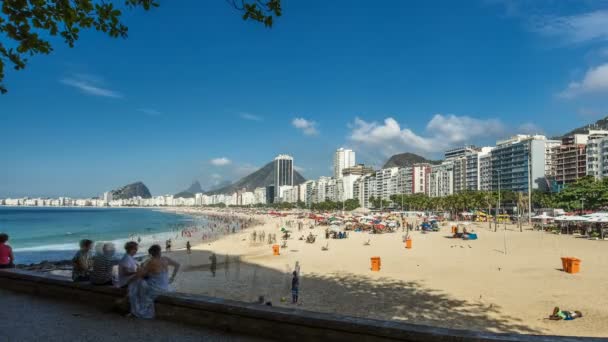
(137, 189)
(260, 178)
(599, 124)
(407, 159)
(194, 188)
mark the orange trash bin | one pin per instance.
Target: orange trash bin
(276, 249)
(408, 243)
(565, 263)
(575, 265)
(375, 264)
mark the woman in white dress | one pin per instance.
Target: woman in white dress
(152, 281)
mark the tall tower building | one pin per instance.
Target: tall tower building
(283, 173)
(343, 159)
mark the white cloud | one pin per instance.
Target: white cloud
(529, 128)
(443, 131)
(222, 161)
(149, 111)
(594, 81)
(250, 117)
(578, 28)
(548, 18)
(90, 85)
(306, 126)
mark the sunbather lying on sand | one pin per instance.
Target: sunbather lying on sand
(564, 315)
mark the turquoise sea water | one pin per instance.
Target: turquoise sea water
(38, 234)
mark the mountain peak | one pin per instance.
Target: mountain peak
(195, 187)
(137, 189)
(258, 179)
(406, 159)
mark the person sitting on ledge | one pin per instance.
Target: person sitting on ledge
(103, 262)
(6, 253)
(152, 281)
(559, 315)
(81, 262)
(127, 270)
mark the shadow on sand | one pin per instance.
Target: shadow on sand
(343, 293)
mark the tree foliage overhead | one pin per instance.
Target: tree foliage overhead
(25, 24)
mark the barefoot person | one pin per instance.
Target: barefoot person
(7, 260)
(152, 281)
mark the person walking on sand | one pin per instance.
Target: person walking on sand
(295, 287)
(188, 247)
(213, 267)
(7, 260)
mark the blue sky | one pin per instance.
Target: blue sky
(197, 93)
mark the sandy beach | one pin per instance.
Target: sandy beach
(440, 281)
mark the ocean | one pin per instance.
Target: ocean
(38, 234)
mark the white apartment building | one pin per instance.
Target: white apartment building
(420, 173)
(260, 195)
(364, 188)
(475, 166)
(343, 158)
(596, 153)
(386, 182)
(522, 161)
(441, 179)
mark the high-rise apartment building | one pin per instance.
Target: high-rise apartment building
(570, 159)
(386, 182)
(441, 182)
(420, 179)
(283, 173)
(345, 185)
(597, 154)
(343, 158)
(521, 162)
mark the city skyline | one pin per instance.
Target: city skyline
(379, 80)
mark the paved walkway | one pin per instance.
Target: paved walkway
(30, 318)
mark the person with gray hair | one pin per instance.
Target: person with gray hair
(103, 262)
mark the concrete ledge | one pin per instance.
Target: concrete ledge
(258, 320)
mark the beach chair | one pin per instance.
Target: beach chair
(325, 248)
(367, 243)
